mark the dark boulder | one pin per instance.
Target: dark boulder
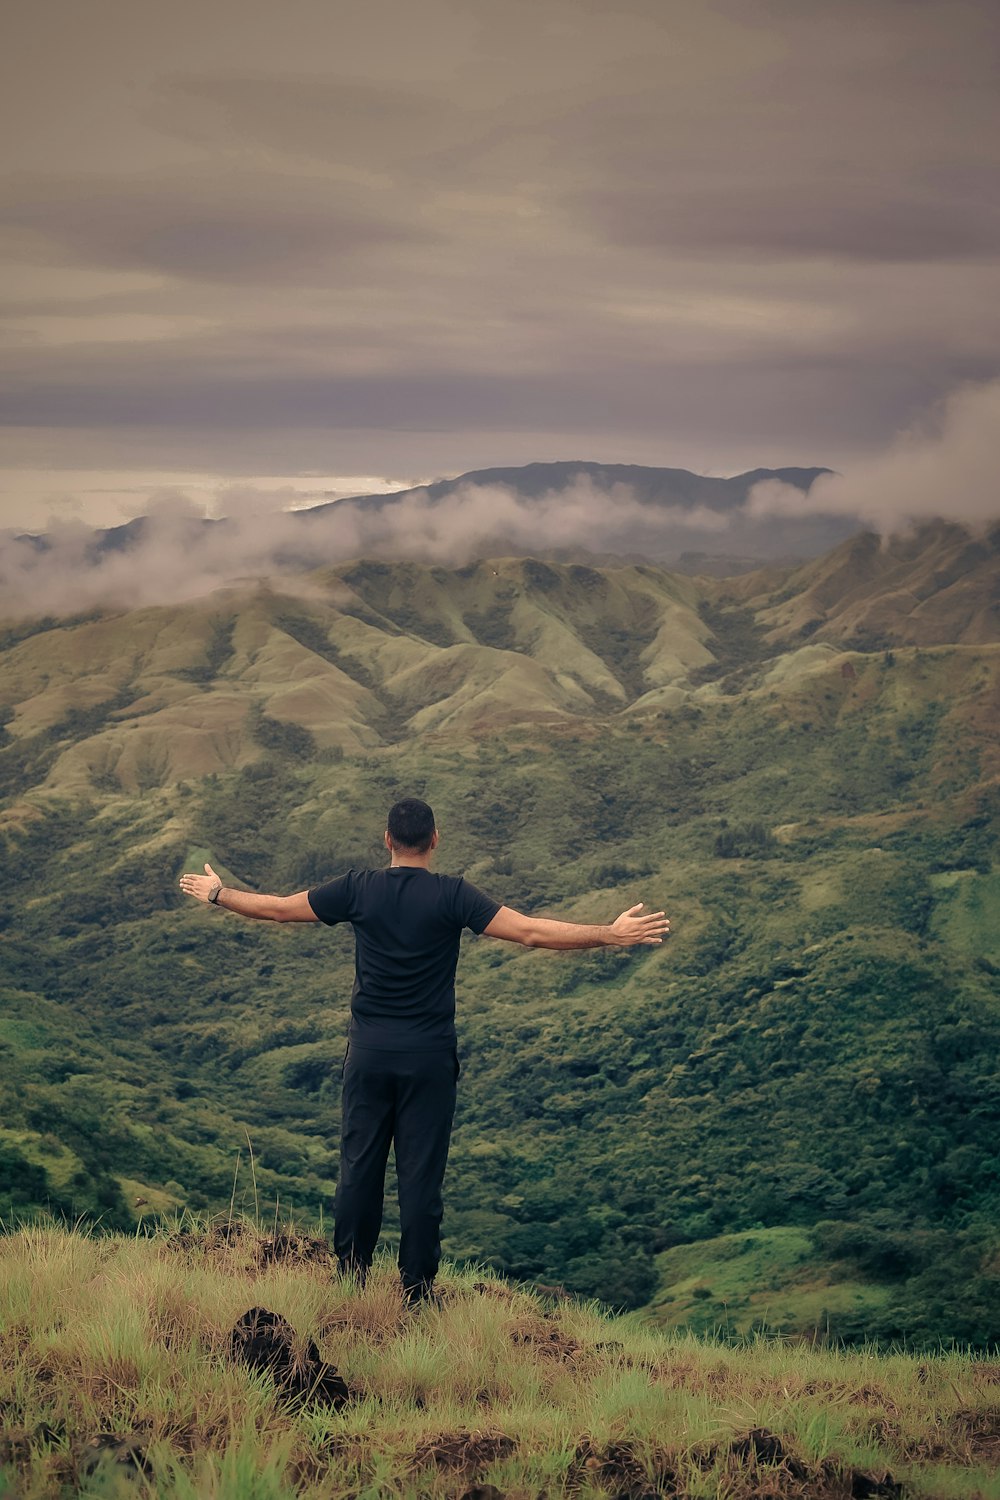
(264, 1341)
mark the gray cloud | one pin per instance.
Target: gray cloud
(856, 220)
(801, 136)
(238, 226)
(428, 238)
(236, 384)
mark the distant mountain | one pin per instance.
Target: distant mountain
(628, 512)
(739, 541)
(650, 486)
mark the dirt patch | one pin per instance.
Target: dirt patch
(861, 1395)
(559, 1293)
(985, 1449)
(759, 1464)
(676, 1374)
(463, 1452)
(15, 1448)
(618, 1468)
(220, 1236)
(756, 1450)
(125, 1453)
(759, 1446)
(976, 1431)
(495, 1289)
(294, 1249)
(870, 1395)
(546, 1339)
(263, 1341)
(820, 1387)
(282, 1247)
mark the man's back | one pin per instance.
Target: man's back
(407, 925)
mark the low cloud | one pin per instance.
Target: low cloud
(945, 466)
(176, 552)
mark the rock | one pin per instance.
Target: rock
(264, 1341)
(766, 1447)
(867, 1487)
(127, 1453)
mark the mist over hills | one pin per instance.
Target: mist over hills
(786, 1114)
(567, 511)
(703, 506)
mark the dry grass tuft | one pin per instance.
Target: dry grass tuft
(116, 1369)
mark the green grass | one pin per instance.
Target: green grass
(967, 913)
(768, 1279)
(129, 1336)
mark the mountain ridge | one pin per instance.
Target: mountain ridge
(649, 483)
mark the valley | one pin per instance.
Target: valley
(801, 764)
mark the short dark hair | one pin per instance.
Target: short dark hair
(411, 825)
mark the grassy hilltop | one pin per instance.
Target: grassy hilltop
(119, 1375)
(784, 1119)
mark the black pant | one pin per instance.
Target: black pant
(409, 1097)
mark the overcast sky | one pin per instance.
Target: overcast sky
(326, 246)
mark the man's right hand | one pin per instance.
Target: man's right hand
(631, 928)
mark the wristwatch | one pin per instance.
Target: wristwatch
(214, 894)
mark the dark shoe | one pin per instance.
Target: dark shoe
(422, 1295)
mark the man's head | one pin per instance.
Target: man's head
(410, 827)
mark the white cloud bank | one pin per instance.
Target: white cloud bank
(178, 555)
(949, 465)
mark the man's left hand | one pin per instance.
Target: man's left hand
(201, 886)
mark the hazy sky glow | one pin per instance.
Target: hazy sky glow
(330, 247)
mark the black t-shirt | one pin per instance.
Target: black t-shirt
(407, 928)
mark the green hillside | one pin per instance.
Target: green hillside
(784, 1119)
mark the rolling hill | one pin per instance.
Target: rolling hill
(800, 763)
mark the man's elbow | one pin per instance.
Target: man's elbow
(281, 911)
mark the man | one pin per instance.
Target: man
(401, 1066)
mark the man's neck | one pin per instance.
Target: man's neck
(410, 862)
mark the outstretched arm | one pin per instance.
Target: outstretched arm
(542, 932)
(209, 887)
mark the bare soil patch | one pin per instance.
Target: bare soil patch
(618, 1468)
(463, 1452)
(546, 1339)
